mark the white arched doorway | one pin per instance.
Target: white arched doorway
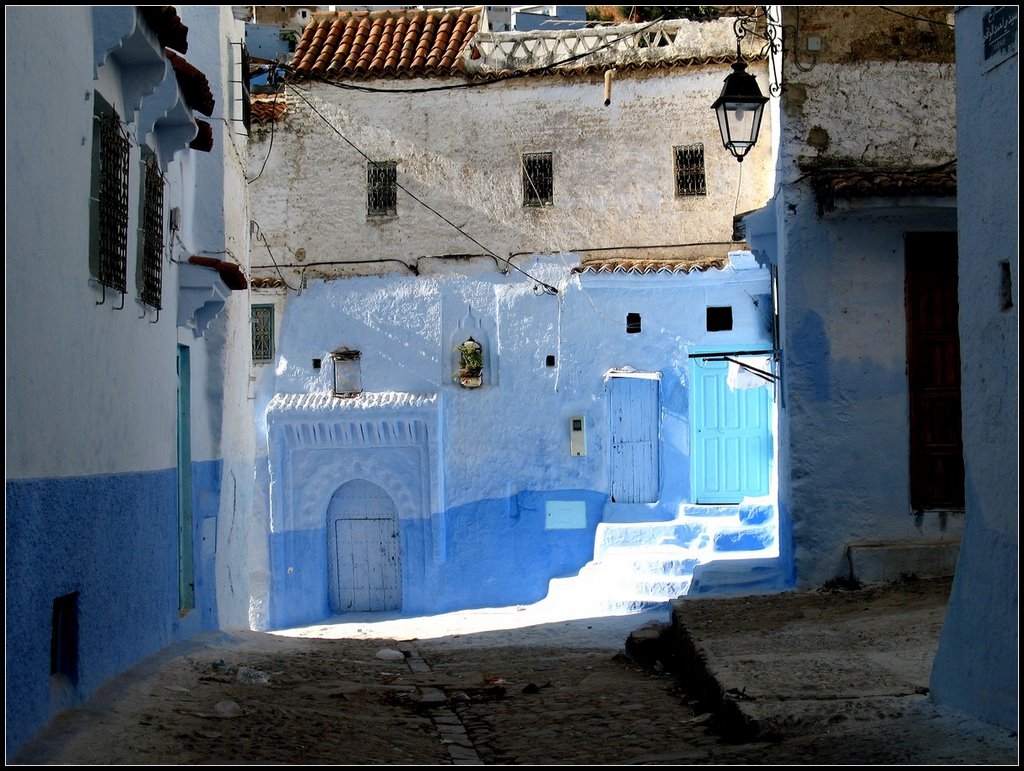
(364, 549)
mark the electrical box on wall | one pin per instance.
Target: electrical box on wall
(577, 435)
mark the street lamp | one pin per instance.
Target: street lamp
(739, 109)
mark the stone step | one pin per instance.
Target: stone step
(879, 563)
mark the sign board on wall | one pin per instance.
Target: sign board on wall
(999, 27)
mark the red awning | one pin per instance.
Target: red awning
(230, 273)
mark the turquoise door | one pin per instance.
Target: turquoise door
(186, 568)
(634, 432)
(732, 446)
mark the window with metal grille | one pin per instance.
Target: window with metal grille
(109, 216)
(263, 333)
(381, 188)
(151, 236)
(538, 179)
(689, 170)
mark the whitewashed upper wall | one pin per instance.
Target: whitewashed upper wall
(881, 91)
(460, 152)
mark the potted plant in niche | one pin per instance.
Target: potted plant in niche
(471, 364)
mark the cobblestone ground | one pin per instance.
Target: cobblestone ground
(378, 702)
(557, 694)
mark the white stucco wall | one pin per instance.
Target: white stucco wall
(976, 668)
(876, 112)
(460, 152)
(94, 387)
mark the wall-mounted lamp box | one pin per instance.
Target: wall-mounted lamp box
(577, 435)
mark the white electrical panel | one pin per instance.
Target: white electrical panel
(577, 435)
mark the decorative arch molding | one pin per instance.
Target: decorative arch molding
(396, 470)
(313, 452)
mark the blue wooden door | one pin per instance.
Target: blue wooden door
(634, 438)
(732, 445)
(364, 549)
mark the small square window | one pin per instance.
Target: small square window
(632, 323)
(688, 164)
(382, 188)
(538, 179)
(719, 319)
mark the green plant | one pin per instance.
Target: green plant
(471, 357)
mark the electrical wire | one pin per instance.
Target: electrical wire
(261, 237)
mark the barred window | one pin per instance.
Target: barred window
(689, 170)
(382, 188)
(109, 198)
(151, 237)
(538, 180)
(262, 333)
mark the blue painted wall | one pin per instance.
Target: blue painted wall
(113, 539)
(487, 542)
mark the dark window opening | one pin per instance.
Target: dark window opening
(538, 179)
(64, 637)
(317, 363)
(382, 188)
(1006, 285)
(632, 323)
(719, 319)
(109, 198)
(549, 361)
(263, 333)
(688, 164)
(152, 235)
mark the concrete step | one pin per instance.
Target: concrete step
(885, 562)
(648, 534)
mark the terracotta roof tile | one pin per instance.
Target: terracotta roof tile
(229, 272)
(645, 266)
(165, 22)
(204, 137)
(267, 107)
(413, 43)
(832, 184)
(193, 83)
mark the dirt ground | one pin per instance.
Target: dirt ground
(552, 693)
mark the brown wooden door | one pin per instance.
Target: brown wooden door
(933, 370)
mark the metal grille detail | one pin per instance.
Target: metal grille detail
(152, 235)
(113, 203)
(382, 188)
(263, 333)
(538, 179)
(689, 170)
